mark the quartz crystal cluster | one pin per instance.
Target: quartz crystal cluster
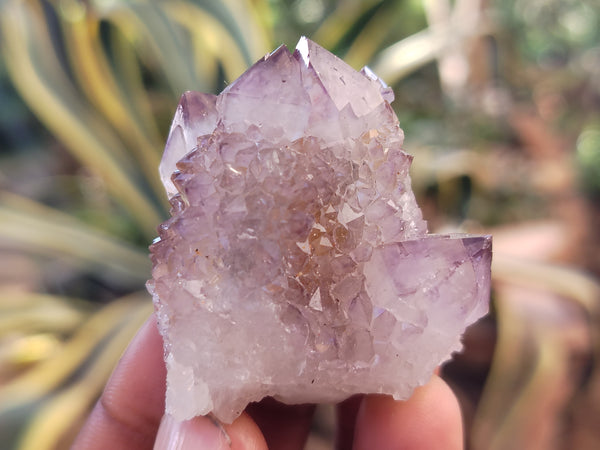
(296, 263)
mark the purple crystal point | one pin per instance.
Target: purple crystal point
(296, 263)
(195, 117)
(338, 78)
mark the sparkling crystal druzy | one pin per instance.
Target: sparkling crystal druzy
(296, 263)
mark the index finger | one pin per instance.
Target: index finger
(130, 409)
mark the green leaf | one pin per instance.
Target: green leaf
(43, 230)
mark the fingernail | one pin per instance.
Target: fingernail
(199, 433)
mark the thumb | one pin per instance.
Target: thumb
(202, 433)
(198, 433)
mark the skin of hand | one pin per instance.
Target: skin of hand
(129, 415)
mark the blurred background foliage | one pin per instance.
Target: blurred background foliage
(500, 103)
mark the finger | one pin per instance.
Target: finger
(202, 433)
(346, 421)
(245, 434)
(430, 419)
(197, 433)
(285, 427)
(129, 411)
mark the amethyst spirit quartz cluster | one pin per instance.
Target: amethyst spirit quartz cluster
(296, 263)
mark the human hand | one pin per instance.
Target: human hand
(129, 412)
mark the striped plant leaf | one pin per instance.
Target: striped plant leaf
(47, 89)
(52, 423)
(43, 230)
(43, 378)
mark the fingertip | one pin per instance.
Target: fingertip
(430, 419)
(197, 433)
(245, 434)
(204, 433)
